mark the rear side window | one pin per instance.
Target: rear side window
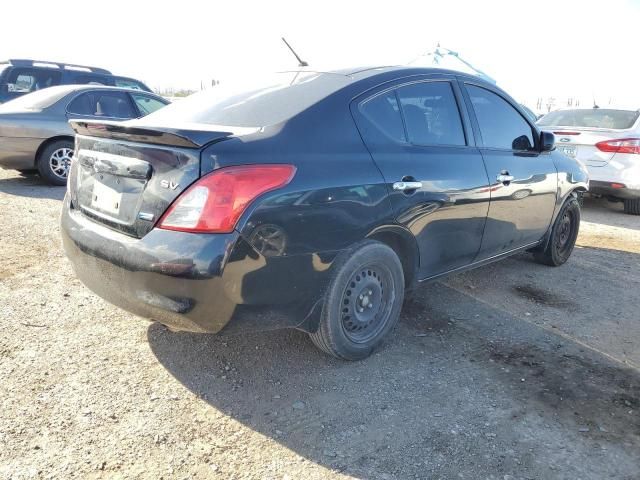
(591, 118)
(431, 114)
(26, 80)
(146, 104)
(102, 104)
(383, 116)
(500, 124)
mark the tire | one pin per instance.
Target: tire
(362, 303)
(54, 162)
(632, 206)
(563, 235)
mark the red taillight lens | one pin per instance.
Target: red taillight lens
(215, 202)
(622, 145)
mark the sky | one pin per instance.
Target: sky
(541, 49)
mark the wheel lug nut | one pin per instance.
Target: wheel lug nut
(370, 305)
(361, 296)
(370, 292)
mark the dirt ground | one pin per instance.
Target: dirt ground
(512, 371)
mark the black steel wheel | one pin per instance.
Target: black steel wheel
(563, 235)
(366, 304)
(362, 303)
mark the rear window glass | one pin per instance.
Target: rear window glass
(593, 118)
(270, 101)
(129, 83)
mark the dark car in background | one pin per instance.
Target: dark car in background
(313, 201)
(35, 131)
(20, 76)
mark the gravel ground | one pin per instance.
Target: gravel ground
(512, 371)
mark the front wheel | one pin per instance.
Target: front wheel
(362, 303)
(564, 234)
(54, 162)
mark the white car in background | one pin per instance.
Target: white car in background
(607, 141)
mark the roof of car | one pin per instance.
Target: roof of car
(77, 88)
(358, 73)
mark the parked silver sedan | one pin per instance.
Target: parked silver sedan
(607, 141)
(34, 129)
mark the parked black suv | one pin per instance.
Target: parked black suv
(19, 77)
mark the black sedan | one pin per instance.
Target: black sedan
(35, 132)
(313, 201)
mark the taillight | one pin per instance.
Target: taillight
(566, 133)
(622, 145)
(214, 203)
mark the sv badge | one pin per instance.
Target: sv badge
(169, 184)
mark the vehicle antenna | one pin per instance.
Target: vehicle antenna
(301, 63)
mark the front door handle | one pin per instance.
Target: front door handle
(404, 186)
(505, 178)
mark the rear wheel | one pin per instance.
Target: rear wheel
(563, 235)
(632, 206)
(54, 162)
(362, 303)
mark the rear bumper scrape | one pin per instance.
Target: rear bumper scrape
(206, 283)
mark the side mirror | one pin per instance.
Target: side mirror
(547, 141)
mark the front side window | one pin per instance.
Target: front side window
(431, 114)
(91, 80)
(500, 124)
(382, 116)
(146, 104)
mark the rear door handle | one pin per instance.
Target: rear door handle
(505, 178)
(404, 186)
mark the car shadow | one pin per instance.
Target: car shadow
(30, 185)
(401, 409)
(604, 212)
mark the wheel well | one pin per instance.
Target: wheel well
(405, 247)
(48, 142)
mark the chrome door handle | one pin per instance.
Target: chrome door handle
(505, 178)
(403, 186)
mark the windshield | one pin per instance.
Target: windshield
(267, 102)
(36, 100)
(591, 118)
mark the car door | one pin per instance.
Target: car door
(523, 180)
(423, 145)
(105, 104)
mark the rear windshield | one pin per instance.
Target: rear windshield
(268, 101)
(593, 118)
(129, 83)
(36, 100)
